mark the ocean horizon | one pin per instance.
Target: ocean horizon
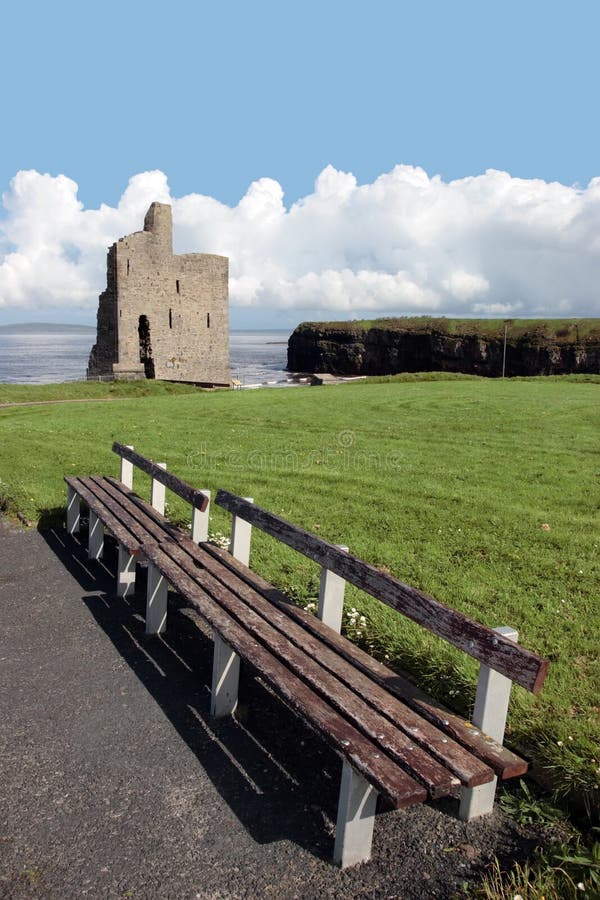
(45, 353)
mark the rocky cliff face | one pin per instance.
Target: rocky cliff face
(343, 349)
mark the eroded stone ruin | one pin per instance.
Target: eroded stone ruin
(162, 315)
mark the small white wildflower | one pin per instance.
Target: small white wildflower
(570, 738)
(560, 743)
(580, 886)
(517, 897)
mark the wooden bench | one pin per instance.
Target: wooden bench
(393, 739)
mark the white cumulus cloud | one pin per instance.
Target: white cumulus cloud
(405, 244)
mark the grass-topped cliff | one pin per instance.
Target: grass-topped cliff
(561, 330)
(426, 343)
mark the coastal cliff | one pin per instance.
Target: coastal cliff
(423, 344)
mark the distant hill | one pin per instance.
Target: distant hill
(45, 328)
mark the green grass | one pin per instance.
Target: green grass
(445, 483)
(554, 330)
(78, 390)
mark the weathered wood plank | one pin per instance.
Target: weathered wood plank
(400, 745)
(112, 522)
(142, 528)
(466, 767)
(140, 512)
(193, 496)
(499, 653)
(503, 761)
(392, 781)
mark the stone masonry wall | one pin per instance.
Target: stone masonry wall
(162, 315)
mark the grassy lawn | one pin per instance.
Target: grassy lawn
(89, 390)
(445, 483)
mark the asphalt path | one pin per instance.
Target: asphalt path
(116, 782)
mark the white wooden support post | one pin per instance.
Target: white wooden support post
(225, 678)
(489, 714)
(125, 573)
(73, 512)
(95, 537)
(331, 597)
(156, 601)
(127, 470)
(157, 495)
(241, 533)
(226, 662)
(200, 521)
(355, 819)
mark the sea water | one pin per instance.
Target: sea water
(41, 357)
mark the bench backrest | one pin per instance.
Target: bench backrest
(494, 650)
(192, 495)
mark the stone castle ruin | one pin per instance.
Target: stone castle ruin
(162, 316)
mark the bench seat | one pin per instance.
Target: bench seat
(393, 738)
(405, 756)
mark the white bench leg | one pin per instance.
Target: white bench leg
(331, 597)
(225, 678)
(200, 522)
(125, 573)
(73, 512)
(489, 714)
(355, 819)
(226, 662)
(156, 601)
(95, 537)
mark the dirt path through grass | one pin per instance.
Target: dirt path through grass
(45, 402)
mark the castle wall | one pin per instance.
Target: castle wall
(162, 315)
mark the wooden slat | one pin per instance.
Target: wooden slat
(142, 528)
(503, 761)
(182, 488)
(135, 510)
(484, 644)
(466, 767)
(402, 747)
(112, 522)
(400, 789)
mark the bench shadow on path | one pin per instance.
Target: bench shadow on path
(277, 777)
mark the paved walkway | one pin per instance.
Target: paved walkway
(115, 782)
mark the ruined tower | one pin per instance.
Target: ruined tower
(162, 316)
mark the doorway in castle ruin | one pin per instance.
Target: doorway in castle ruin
(146, 346)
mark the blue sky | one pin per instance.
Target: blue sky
(219, 96)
